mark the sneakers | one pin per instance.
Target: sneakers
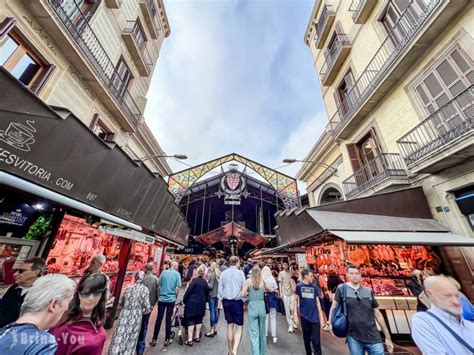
(275, 340)
(168, 342)
(291, 330)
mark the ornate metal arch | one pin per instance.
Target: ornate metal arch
(286, 186)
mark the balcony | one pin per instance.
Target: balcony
(76, 40)
(324, 25)
(386, 170)
(411, 35)
(335, 57)
(361, 10)
(444, 139)
(113, 4)
(136, 45)
(150, 13)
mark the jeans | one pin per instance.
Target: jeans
(162, 308)
(272, 316)
(213, 311)
(256, 327)
(311, 334)
(357, 347)
(142, 336)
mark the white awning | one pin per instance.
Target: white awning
(129, 234)
(404, 238)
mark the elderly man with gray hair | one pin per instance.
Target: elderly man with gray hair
(43, 307)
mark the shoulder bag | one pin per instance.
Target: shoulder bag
(339, 315)
(453, 333)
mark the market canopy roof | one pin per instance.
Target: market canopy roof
(232, 229)
(49, 148)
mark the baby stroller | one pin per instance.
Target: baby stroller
(177, 322)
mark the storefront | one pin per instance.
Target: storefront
(386, 248)
(66, 195)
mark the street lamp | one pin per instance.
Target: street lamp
(176, 156)
(316, 162)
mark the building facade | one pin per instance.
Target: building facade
(396, 78)
(93, 57)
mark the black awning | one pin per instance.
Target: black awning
(54, 149)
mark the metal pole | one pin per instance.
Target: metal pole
(203, 208)
(209, 219)
(187, 207)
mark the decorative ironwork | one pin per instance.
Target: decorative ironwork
(133, 28)
(332, 53)
(326, 12)
(410, 21)
(77, 24)
(380, 168)
(442, 127)
(285, 186)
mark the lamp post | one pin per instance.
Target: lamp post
(176, 156)
(315, 162)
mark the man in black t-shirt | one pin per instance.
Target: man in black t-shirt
(362, 312)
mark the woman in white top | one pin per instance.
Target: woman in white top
(270, 281)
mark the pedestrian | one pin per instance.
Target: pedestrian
(267, 276)
(248, 266)
(213, 280)
(467, 307)
(195, 298)
(135, 304)
(275, 270)
(25, 275)
(295, 302)
(442, 329)
(190, 272)
(310, 311)
(181, 269)
(151, 282)
(44, 305)
(230, 286)
(170, 282)
(284, 280)
(255, 287)
(362, 312)
(81, 330)
(416, 287)
(222, 265)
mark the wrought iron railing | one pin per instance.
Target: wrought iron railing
(133, 28)
(442, 127)
(151, 5)
(323, 20)
(410, 21)
(77, 24)
(382, 167)
(331, 54)
(355, 7)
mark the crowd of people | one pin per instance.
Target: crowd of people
(51, 314)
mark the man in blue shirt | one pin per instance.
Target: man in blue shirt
(310, 312)
(433, 330)
(230, 286)
(43, 307)
(170, 282)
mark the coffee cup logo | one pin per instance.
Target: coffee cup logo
(19, 136)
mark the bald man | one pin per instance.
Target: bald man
(442, 329)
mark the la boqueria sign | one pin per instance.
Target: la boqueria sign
(54, 149)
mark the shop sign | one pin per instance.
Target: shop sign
(129, 234)
(301, 260)
(14, 217)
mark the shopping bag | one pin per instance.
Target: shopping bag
(339, 316)
(280, 305)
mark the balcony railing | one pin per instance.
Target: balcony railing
(361, 10)
(324, 22)
(438, 130)
(385, 166)
(408, 24)
(139, 52)
(151, 16)
(77, 24)
(333, 55)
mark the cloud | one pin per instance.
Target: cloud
(236, 76)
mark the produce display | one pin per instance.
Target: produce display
(384, 268)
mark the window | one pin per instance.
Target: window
(364, 154)
(346, 93)
(23, 63)
(444, 82)
(79, 11)
(138, 34)
(400, 16)
(101, 130)
(121, 77)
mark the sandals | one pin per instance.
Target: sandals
(197, 340)
(210, 334)
(188, 343)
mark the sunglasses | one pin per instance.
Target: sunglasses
(357, 295)
(21, 271)
(93, 293)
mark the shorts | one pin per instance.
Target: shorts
(194, 320)
(234, 311)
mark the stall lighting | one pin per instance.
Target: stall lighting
(38, 206)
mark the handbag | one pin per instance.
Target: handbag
(266, 300)
(453, 333)
(280, 306)
(339, 316)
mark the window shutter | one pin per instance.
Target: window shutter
(39, 84)
(7, 25)
(354, 156)
(378, 145)
(94, 121)
(339, 30)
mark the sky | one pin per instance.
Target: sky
(235, 76)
